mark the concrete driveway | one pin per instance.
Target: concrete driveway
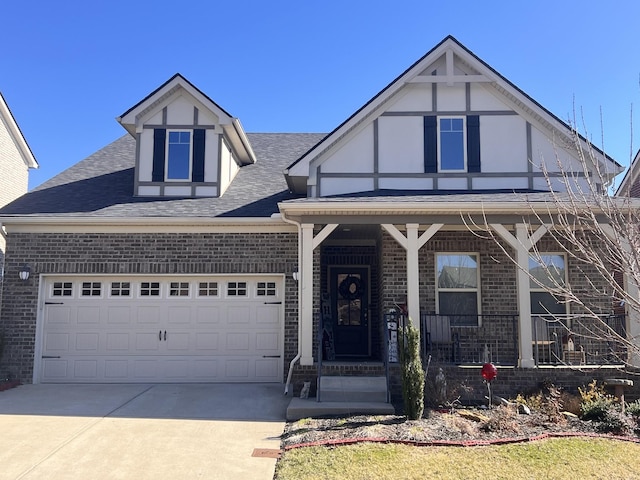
(207, 431)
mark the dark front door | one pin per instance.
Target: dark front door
(350, 307)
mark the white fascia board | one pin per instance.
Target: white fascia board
(146, 225)
(130, 117)
(302, 167)
(240, 142)
(16, 134)
(520, 207)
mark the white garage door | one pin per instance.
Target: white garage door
(162, 329)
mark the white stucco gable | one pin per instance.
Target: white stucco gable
(16, 158)
(187, 145)
(449, 122)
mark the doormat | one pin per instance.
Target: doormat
(266, 453)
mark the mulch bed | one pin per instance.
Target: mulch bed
(503, 424)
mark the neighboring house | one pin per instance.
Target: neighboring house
(170, 254)
(16, 159)
(630, 185)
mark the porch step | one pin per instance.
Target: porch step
(309, 408)
(353, 389)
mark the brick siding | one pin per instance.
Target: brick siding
(154, 254)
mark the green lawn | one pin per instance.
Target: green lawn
(578, 458)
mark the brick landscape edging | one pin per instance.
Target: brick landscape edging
(460, 443)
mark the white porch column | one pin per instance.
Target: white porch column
(412, 244)
(305, 333)
(413, 275)
(522, 243)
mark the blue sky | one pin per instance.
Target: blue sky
(68, 68)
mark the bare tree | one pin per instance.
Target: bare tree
(599, 235)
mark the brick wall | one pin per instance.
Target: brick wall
(155, 254)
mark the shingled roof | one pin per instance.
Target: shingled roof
(102, 185)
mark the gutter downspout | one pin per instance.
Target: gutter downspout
(299, 354)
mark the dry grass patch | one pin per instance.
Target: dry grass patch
(549, 459)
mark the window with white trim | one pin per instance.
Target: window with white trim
(208, 289)
(266, 289)
(457, 287)
(547, 272)
(120, 289)
(91, 289)
(178, 155)
(150, 289)
(452, 145)
(62, 289)
(237, 289)
(179, 289)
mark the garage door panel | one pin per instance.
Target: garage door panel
(58, 315)
(57, 342)
(118, 342)
(207, 315)
(178, 315)
(207, 342)
(177, 369)
(116, 370)
(148, 315)
(240, 314)
(178, 342)
(237, 342)
(145, 369)
(121, 338)
(85, 369)
(206, 369)
(267, 342)
(266, 368)
(147, 342)
(87, 342)
(120, 315)
(237, 369)
(268, 314)
(88, 315)
(55, 369)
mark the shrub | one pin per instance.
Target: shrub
(412, 373)
(633, 409)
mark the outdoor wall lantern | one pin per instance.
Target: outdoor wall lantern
(25, 271)
(295, 275)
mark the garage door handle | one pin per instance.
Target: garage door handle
(54, 303)
(273, 303)
(160, 335)
(271, 356)
(50, 356)
(165, 335)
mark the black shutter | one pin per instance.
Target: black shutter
(430, 144)
(159, 146)
(198, 155)
(473, 143)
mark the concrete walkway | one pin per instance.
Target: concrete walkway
(208, 431)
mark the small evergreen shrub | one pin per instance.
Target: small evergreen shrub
(412, 372)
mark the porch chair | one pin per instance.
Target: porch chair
(439, 339)
(545, 343)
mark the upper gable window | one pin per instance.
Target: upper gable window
(452, 144)
(179, 155)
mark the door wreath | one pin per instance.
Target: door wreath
(350, 288)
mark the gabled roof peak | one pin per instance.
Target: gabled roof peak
(9, 120)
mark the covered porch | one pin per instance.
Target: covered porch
(491, 312)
